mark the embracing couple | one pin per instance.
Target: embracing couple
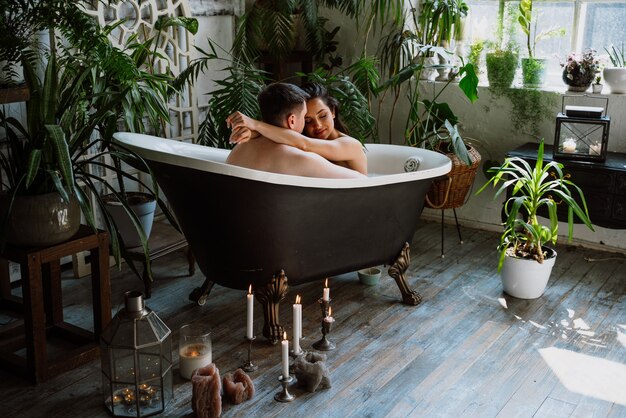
(277, 144)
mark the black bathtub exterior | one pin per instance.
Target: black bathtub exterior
(245, 231)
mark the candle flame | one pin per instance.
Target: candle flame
(250, 289)
(330, 311)
(326, 283)
(285, 335)
(297, 299)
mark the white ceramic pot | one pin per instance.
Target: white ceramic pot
(615, 78)
(144, 206)
(527, 279)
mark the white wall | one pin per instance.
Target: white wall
(488, 120)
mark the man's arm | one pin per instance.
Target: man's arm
(344, 148)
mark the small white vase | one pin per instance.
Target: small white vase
(526, 279)
(615, 78)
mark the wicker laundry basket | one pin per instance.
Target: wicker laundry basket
(450, 192)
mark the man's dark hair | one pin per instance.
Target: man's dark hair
(278, 100)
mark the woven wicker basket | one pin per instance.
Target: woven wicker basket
(450, 192)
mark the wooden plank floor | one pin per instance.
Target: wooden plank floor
(467, 350)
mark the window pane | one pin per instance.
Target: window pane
(604, 25)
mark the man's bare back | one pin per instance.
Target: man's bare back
(266, 155)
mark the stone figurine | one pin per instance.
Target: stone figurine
(312, 372)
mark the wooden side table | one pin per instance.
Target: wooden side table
(42, 306)
(163, 240)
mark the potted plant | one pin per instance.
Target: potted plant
(533, 68)
(580, 70)
(615, 75)
(88, 89)
(596, 87)
(526, 260)
(502, 57)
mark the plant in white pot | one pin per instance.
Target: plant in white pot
(615, 75)
(526, 260)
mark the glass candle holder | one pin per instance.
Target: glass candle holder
(194, 349)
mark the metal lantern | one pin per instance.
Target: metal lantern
(136, 354)
(582, 133)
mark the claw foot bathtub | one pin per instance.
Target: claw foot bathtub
(244, 226)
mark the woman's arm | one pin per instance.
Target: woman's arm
(344, 148)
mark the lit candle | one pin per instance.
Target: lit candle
(285, 349)
(326, 294)
(250, 331)
(594, 149)
(569, 145)
(330, 318)
(297, 325)
(192, 357)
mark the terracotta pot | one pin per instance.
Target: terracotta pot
(40, 220)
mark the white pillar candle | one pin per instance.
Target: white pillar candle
(569, 145)
(297, 325)
(326, 294)
(249, 328)
(192, 357)
(594, 149)
(285, 355)
(330, 318)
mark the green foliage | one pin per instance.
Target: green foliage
(475, 54)
(501, 67)
(533, 188)
(90, 88)
(530, 107)
(526, 18)
(617, 56)
(440, 21)
(533, 71)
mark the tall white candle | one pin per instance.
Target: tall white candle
(192, 357)
(249, 329)
(326, 294)
(285, 355)
(297, 325)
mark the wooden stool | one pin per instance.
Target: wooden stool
(163, 240)
(42, 306)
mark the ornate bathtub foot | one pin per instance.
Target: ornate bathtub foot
(199, 295)
(397, 270)
(270, 296)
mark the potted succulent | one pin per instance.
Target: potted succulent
(526, 260)
(533, 68)
(615, 75)
(579, 70)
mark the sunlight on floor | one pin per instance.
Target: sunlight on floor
(621, 337)
(588, 375)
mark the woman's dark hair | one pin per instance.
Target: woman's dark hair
(318, 91)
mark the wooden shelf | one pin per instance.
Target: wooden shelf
(14, 94)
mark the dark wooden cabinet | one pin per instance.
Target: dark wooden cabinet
(604, 184)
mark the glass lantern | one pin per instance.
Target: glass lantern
(136, 355)
(582, 133)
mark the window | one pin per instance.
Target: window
(587, 24)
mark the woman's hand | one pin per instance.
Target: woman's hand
(241, 126)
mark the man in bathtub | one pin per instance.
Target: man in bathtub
(283, 105)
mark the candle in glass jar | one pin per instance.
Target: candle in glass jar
(249, 328)
(285, 355)
(297, 325)
(326, 294)
(569, 145)
(192, 357)
(594, 149)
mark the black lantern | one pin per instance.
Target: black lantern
(136, 355)
(582, 133)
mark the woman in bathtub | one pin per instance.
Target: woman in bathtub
(325, 132)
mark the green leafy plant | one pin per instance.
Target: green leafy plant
(440, 21)
(534, 188)
(89, 88)
(528, 22)
(617, 56)
(474, 56)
